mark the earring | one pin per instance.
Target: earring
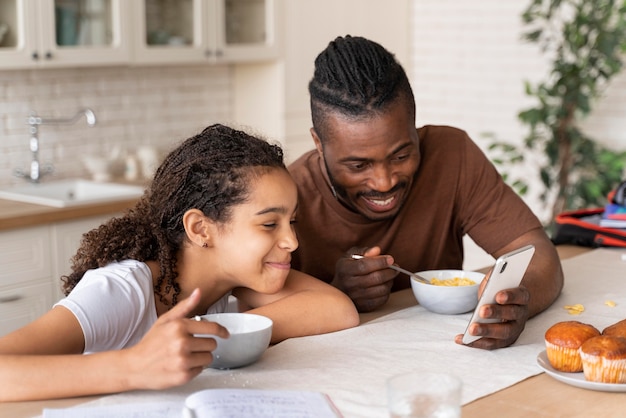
(205, 245)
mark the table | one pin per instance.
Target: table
(538, 396)
(542, 396)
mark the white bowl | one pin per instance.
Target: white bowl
(448, 300)
(250, 336)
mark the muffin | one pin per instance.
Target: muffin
(563, 340)
(618, 329)
(604, 359)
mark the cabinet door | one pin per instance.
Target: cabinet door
(84, 32)
(56, 33)
(248, 30)
(18, 33)
(24, 256)
(65, 238)
(25, 285)
(21, 305)
(206, 31)
(172, 32)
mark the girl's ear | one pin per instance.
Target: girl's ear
(198, 228)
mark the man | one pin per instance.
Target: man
(379, 187)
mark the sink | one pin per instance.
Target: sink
(74, 192)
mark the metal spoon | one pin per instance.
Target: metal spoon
(400, 269)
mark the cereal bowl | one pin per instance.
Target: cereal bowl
(451, 299)
(250, 336)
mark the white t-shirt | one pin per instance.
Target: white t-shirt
(115, 305)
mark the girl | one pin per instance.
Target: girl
(216, 220)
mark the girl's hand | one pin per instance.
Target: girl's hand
(169, 354)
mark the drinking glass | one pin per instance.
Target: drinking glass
(424, 395)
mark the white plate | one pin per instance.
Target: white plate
(577, 379)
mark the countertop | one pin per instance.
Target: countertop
(23, 215)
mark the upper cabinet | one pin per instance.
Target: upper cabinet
(62, 33)
(188, 31)
(66, 33)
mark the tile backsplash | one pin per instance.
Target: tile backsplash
(134, 107)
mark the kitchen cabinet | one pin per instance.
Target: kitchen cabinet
(65, 238)
(33, 260)
(26, 287)
(71, 33)
(200, 31)
(63, 33)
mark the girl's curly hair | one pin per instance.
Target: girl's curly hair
(211, 172)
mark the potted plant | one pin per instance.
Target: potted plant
(585, 40)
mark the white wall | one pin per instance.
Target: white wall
(468, 68)
(310, 26)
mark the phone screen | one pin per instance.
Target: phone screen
(507, 273)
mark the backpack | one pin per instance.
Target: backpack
(583, 227)
(578, 228)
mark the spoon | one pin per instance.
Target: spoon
(400, 269)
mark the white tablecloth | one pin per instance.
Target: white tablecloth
(351, 366)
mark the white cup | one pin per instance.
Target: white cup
(424, 395)
(98, 167)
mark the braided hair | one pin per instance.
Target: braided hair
(357, 78)
(211, 171)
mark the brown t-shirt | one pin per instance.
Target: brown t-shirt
(456, 191)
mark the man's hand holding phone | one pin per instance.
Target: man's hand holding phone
(502, 310)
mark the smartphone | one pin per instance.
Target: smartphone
(507, 273)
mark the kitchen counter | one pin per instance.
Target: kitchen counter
(23, 215)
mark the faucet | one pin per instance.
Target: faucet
(36, 171)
